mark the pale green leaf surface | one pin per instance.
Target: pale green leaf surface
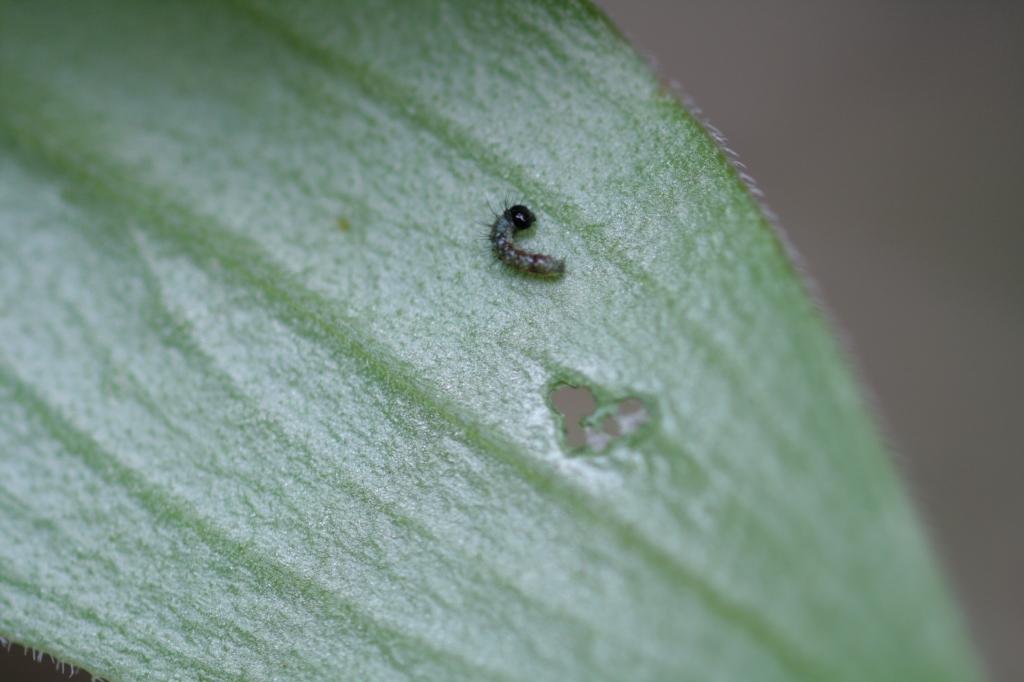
(239, 441)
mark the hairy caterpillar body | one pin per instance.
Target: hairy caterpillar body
(514, 219)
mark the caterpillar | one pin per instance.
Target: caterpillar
(515, 219)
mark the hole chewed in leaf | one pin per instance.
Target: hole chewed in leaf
(592, 424)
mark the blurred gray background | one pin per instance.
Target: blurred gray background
(889, 138)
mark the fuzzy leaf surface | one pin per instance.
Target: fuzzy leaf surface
(270, 409)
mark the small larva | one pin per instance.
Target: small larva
(514, 219)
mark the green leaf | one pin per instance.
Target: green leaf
(270, 408)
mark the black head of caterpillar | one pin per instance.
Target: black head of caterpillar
(506, 224)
